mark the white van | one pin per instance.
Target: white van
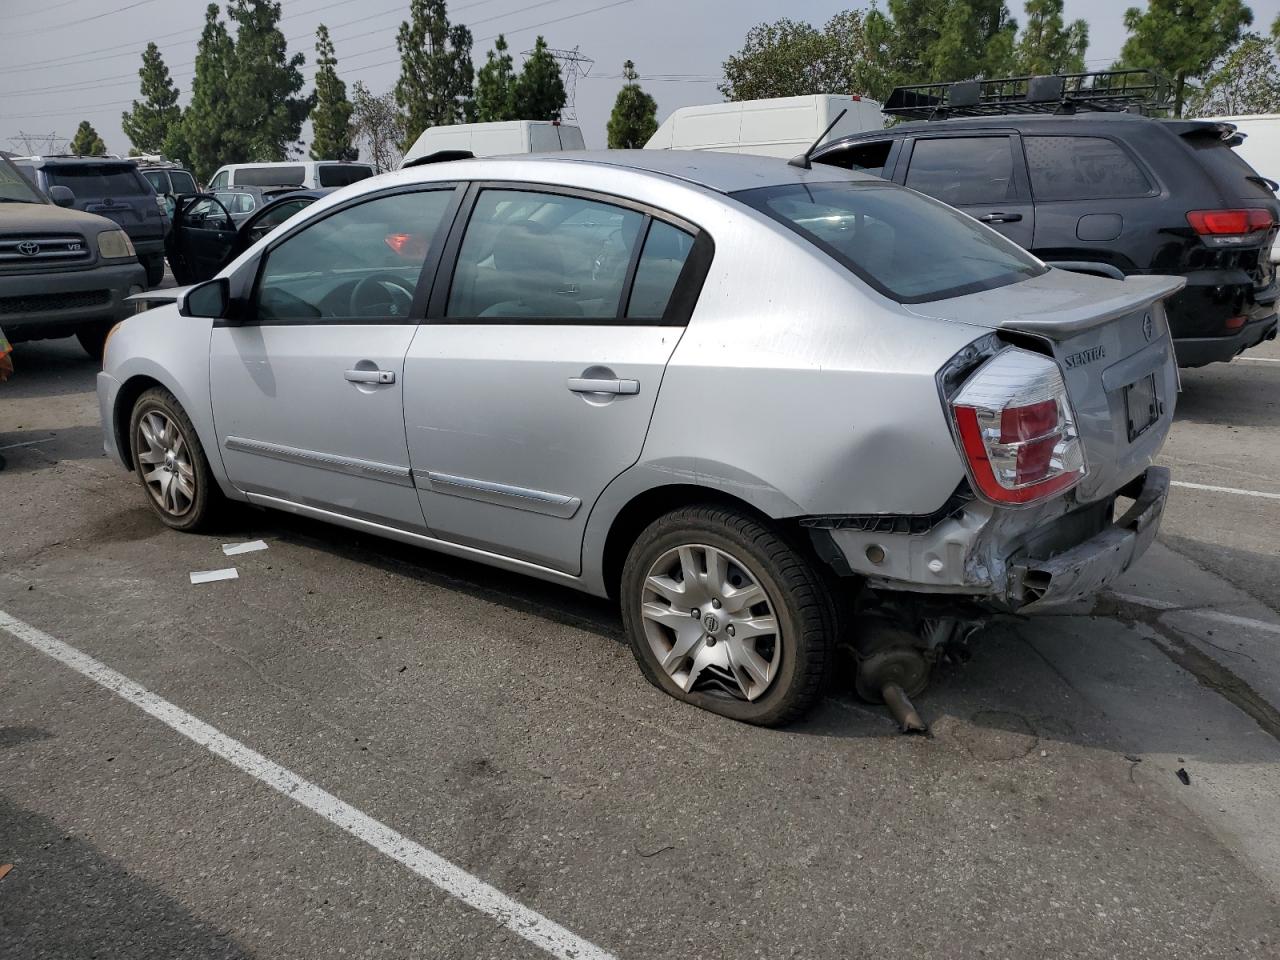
(303, 174)
(497, 139)
(1261, 149)
(777, 127)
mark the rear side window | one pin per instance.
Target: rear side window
(864, 157)
(157, 180)
(283, 176)
(960, 170)
(529, 255)
(98, 180)
(661, 261)
(907, 247)
(182, 182)
(1228, 169)
(1083, 168)
(341, 176)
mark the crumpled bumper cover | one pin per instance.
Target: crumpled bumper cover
(1088, 567)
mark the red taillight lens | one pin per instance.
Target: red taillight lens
(1235, 323)
(1017, 429)
(411, 246)
(1217, 223)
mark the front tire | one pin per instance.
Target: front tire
(155, 269)
(94, 339)
(724, 613)
(170, 462)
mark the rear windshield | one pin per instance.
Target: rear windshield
(14, 187)
(343, 175)
(908, 247)
(98, 180)
(289, 176)
(1229, 170)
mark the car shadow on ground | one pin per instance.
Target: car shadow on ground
(28, 451)
(65, 899)
(48, 368)
(1212, 395)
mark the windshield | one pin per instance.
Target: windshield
(93, 181)
(14, 187)
(908, 247)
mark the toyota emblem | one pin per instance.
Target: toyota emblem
(1148, 327)
(28, 248)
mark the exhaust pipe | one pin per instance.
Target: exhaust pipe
(908, 720)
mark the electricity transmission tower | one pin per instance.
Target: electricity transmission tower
(573, 64)
(36, 144)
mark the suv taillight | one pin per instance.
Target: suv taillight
(1221, 223)
(1017, 429)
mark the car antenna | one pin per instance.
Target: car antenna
(802, 161)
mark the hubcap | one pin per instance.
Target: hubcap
(709, 622)
(166, 464)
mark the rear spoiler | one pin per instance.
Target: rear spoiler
(1135, 292)
(1215, 129)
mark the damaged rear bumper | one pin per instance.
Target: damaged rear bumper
(1088, 567)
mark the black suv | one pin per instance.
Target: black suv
(111, 188)
(1099, 192)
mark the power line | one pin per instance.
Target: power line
(42, 11)
(76, 23)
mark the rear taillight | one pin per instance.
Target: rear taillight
(1220, 223)
(1017, 429)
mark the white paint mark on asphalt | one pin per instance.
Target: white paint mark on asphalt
(1151, 602)
(453, 880)
(232, 549)
(1235, 621)
(209, 576)
(25, 443)
(1257, 360)
(1232, 490)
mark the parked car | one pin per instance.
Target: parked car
(1260, 133)
(62, 272)
(494, 139)
(1116, 194)
(111, 188)
(207, 234)
(751, 401)
(774, 127)
(302, 174)
(170, 182)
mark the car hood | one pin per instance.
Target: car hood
(32, 217)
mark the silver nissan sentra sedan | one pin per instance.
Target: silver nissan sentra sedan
(770, 409)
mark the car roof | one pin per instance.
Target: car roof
(66, 161)
(722, 172)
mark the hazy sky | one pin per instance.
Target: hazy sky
(62, 61)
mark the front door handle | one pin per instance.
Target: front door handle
(593, 385)
(370, 376)
(1000, 218)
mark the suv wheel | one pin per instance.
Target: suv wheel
(723, 613)
(170, 462)
(94, 339)
(155, 270)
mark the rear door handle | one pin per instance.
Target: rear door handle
(370, 376)
(592, 385)
(1000, 218)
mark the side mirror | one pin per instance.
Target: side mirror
(62, 196)
(208, 300)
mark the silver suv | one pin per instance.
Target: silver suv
(62, 272)
(768, 408)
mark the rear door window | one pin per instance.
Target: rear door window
(863, 157)
(340, 176)
(182, 182)
(158, 181)
(666, 249)
(98, 180)
(905, 246)
(963, 170)
(1083, 168)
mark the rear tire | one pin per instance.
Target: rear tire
(724, 613)
(94, 339)
(170, 461)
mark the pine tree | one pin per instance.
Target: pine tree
(331, 131)
(86, 142)
(208, 129)
(1047, 44)
(496, 85)
(540, 93)
(436, 73)
(265, 82)
(940, 40)
(635, 114)
(1183, 38)
(148, 124)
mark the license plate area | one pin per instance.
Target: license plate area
(1141, 405)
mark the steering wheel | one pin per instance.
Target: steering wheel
(380, 295)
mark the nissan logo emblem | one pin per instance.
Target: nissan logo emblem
(28, 248)
(1148, 327)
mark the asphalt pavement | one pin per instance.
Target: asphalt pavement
(358, 749)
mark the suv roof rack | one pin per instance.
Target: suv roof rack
(1131, 91)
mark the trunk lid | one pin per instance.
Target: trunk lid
(1118, 365)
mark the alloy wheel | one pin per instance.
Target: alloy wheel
(165, 463)
(710, 623)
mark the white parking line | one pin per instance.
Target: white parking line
(1203, 612)
(453, 880)
(1236, 491)
(25, 443)
(1257, 360)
